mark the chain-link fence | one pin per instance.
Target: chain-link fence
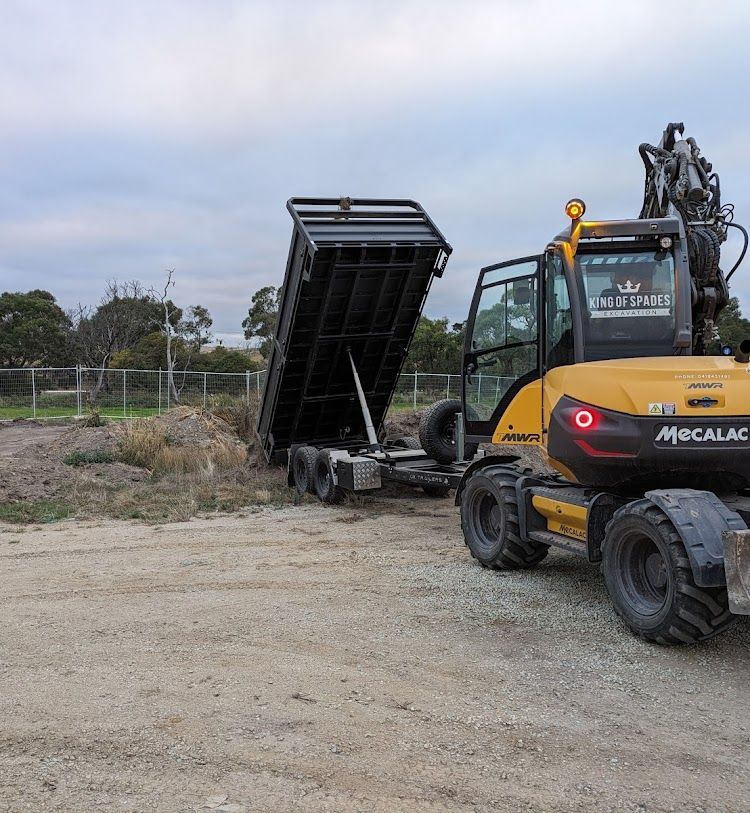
(63, 392)
(66, 392)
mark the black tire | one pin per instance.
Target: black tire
(436, 491)
(406, 443)
(325, 487)
(649, 579)
(489, 520)
(437, 430)
(303, 469)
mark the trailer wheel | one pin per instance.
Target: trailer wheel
(323, 480)
(437, 432)
(489, 520)
(436, 491)
(303, 469)
(650, 581)
(407, 443)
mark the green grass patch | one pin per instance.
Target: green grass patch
(24, 513)
(82, 458)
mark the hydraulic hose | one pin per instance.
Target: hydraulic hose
(742, 253)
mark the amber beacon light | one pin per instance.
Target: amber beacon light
(575, 209)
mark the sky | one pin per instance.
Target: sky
(141, 136)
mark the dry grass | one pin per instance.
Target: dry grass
(177, 497)
(239, 415)
(146, 444)
(211, 474)
(140, 442)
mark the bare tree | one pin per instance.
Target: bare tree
(124, 315)
(170, 316)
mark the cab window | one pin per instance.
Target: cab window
(629, 303)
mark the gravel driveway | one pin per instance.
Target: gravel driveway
(344, 659)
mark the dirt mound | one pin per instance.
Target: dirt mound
(185, 426)
(403, 424)
(52, 466)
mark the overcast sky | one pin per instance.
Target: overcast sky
(140, 136)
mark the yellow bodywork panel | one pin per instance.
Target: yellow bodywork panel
(655, 386)
(638, 386)
(562, 517)
(521, 423)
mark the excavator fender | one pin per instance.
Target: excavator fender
(701, 519)
(503, 461)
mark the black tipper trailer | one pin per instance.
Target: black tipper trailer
(357, 276)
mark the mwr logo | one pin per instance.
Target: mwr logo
(520, 437)
(704, 385)
(700, 435)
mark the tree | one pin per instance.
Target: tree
(436, 347)
(195, 329)
(260, 321)
(34, 329)
(168, 324)
(124, 316)
(732, 328)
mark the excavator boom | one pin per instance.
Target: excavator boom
(680, 181)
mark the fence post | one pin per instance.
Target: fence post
(33, 393)
(415, 388)
(78, 390)
(257, 384)
(159, 407)
(204, 390)
(479, 388)
(124, 395)
(448, 387)
(247, 386)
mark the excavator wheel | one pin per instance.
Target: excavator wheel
(489, 520)
(650, 581)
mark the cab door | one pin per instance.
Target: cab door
(502, 340)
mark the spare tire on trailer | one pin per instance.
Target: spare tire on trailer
(323, 479)
(407, 443)
(303, 469)
(437, 432)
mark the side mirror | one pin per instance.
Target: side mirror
(522, 292)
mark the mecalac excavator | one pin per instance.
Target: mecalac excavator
(595, 351)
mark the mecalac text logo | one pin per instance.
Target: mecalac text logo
(704, 435)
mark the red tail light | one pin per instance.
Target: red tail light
(585, 418)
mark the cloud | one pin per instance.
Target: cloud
(138, 136)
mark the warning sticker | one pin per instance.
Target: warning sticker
(662, 409)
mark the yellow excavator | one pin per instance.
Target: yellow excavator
(596, 353)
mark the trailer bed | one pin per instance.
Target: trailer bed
(357, 276)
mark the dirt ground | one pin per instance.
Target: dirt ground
(344, 659)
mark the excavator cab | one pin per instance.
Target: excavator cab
(597, 293)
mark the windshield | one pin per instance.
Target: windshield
(629, 304)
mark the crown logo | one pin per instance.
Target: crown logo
(629, 288)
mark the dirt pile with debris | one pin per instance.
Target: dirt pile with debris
(46, 462)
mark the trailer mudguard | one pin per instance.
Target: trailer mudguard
(700, 519)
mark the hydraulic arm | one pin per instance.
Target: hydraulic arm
(679, 180)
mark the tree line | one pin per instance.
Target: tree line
(134, 327)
